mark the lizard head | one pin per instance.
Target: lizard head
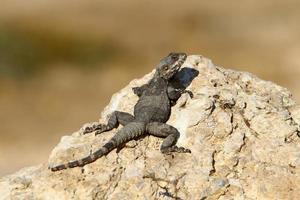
(170, 65)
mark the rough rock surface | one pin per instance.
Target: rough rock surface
(242, 131)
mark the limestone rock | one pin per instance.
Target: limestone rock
(242, 131)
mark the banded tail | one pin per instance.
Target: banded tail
(127, 133)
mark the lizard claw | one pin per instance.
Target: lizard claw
(90, 128)
(87, 130)
(190, 93)
(175, 149)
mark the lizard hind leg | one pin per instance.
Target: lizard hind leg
(114, 120)
(171, 135)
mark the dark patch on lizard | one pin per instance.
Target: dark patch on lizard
(151, 112)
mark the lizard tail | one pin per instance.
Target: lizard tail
(127, 133)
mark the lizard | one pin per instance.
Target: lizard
(151, 113)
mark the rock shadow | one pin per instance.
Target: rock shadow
(184, 78)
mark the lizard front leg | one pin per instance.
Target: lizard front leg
(114, 120)
(171, 135)
(139, 90)
(174, 94)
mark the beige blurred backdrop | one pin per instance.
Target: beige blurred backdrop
(60, 61)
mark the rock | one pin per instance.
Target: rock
(243, 133)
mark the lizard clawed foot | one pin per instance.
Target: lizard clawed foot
(175, 149)
(190, 93)
(92, 127)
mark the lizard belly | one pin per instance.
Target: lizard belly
(153, 109)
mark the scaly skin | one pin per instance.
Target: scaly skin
(151, 113)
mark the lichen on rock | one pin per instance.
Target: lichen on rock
(242, 131)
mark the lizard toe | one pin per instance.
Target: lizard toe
(101, 128)
(175, 149)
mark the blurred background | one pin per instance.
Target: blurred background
(60, 61)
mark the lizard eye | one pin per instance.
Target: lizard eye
(166, 67)
(174, 57)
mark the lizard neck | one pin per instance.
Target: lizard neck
(156, 86)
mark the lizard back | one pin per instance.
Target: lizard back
(154, 104)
